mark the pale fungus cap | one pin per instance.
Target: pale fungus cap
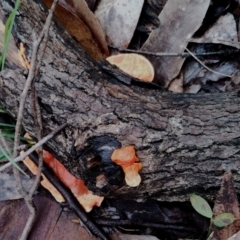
(127, 159)
(134, 64)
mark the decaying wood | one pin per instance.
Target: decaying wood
(184, 141)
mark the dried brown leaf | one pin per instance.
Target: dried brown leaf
(119, 19)
(82, 11)
(224, 31)
(9, 187)
(12, 53)
(235, 236)
(227, 202)
(91, 4)
(179, 21)
(79, 30)
(177, 84)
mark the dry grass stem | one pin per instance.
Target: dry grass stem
(209, 69)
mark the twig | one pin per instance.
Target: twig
(209, 69)
(34, 147)
(38, 123)
(118, 222)
(183, 55)
(23, 97)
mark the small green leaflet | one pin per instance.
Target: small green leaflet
(7, 33)
(201, 206)
(223, 219)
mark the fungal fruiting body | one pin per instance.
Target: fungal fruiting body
(134, 64)
(127, 159)
(85, 197)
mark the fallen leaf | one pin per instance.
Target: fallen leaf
(12, 53)
(119, 19)
(179, 21)
(226, 202)
(9, 187)
(177, 84)
(196, 77)
(235, 236)
(82, 11)
(80, 31)
(91, 4)
(224, 31)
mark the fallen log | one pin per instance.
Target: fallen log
(185, 142)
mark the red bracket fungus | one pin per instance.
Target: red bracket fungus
(85, 197)
(127, 159)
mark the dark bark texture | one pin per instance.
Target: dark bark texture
(185, 142)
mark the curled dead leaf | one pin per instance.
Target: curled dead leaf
(83, 26)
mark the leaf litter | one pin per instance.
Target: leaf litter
(119, 19)
(175, 30)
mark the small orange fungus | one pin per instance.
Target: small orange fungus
(133, 64)
(127, 159)
(85, 197)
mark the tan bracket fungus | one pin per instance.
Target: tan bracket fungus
(127, 159)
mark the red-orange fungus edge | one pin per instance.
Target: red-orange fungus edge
(85, 197)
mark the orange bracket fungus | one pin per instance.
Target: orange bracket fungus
(85, 197)
(134, 64)
(127, 159)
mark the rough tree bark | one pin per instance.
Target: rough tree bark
(184, 141)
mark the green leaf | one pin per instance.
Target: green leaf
(223, 219)
(11, 161)
(7, 33)
(12, 135)
(1, 110)
(2, 156)
(7, 125)
(201, 206)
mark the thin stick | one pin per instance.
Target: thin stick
(164, 54)
(23, 97)
(38, 123)
(34, 147)
(209, 69)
